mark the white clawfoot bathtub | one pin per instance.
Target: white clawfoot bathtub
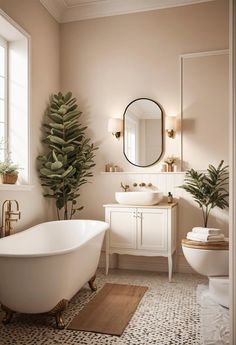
(48, 263)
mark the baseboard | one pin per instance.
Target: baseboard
(146, 263)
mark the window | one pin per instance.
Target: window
(14, 95)
(3, 97)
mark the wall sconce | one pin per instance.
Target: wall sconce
(170, 125)
(115, 126)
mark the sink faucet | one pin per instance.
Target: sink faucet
(142, 184)
(8, 216)
(124, 187)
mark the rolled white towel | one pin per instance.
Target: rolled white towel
(204, 237)
(207, 231)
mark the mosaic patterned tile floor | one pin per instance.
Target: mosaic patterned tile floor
(167, 315)
(215, 323)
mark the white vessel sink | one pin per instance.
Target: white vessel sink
(145, 198)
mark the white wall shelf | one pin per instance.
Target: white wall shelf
(16, 187)
(141, 172)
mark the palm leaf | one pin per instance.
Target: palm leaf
(208, 190)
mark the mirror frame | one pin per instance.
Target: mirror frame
(162, 132)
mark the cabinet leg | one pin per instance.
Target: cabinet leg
(170, 267)
(107, 263)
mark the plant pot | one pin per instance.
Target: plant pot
(8, 178)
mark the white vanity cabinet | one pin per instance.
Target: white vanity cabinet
(141, 230)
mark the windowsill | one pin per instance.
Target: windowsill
(16, 187)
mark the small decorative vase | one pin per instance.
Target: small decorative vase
(9, 178)
(170, 167)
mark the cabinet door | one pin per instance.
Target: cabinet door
(152, 229)
(122, 228)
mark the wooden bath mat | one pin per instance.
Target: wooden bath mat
(110, 310)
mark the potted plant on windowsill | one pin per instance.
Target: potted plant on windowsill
(208, 189)
(8, 172)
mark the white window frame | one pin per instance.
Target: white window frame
(15, 33)
(4, 44)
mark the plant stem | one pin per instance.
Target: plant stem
(58, 214)
(65, 212)
(71, 210)
(204, 217)
(207, 215)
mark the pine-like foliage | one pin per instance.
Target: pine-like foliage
(208, 189)
(66, 165)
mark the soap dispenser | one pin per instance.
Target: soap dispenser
(169, 198)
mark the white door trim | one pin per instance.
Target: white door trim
(232, 145)
(182, 58)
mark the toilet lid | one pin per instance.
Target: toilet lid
(222, 245)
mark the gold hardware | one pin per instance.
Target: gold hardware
(124, 187)
(92, 285)
(8, 314)
(7, 218)
(142, 184)
(170, 133)
(116, 134)
(57, 313)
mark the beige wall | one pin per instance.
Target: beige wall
(44, 32)
(109, 62)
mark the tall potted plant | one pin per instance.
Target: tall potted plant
(66, 165)
(208, 189)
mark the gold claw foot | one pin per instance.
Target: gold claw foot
(8, 315)
(57, 312)
(92, 284)
(60, 321)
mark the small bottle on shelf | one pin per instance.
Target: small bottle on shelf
(169, 198)
(163, 167)
(107, 167)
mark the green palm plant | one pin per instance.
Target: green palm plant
(66, 165)
(208, 189)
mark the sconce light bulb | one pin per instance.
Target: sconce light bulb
(115, 126)
(170, 126)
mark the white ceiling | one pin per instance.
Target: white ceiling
(72, 10)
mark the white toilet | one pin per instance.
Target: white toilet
(211, 259)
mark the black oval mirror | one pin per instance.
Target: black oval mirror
(143, 132)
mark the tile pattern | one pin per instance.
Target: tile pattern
(167, 315)
(214, 319)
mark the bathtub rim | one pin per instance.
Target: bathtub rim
(57, 252)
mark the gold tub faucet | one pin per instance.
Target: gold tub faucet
(8, 214)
